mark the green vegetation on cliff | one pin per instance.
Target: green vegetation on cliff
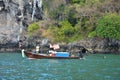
(72, 20)
(109, 26)
(32, 28)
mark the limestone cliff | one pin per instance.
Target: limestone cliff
(15, 15)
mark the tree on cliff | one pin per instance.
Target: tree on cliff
(109, 26)
(32, 29)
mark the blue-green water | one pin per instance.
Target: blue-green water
(94, 67)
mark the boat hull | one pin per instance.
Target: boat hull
(31, 55)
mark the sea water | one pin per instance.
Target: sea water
(94, 67)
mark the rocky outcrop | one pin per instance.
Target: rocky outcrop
(15, 15)
(96, 45)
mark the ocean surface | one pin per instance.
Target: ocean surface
(95, 67)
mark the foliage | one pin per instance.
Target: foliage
(58, 13)
(32, 28)
(92, 34)
(78, 1)
(72, 20)
(71, 16)
(75, 1)
(65, 31)
(109, 26)
(85, 2)
(50, 33)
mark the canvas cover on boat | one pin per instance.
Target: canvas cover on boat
(62, 54)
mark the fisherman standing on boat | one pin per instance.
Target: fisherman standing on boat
(21, 46)
(37, 49)
(53, 48)
(82, 52)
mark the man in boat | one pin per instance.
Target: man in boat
(82, 52)
(37, 49)
(53, 48)
(21, 44)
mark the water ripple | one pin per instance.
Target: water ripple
(14, 67)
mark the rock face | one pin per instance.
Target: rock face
(15, 15)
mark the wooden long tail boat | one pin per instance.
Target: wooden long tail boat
(31, 55)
